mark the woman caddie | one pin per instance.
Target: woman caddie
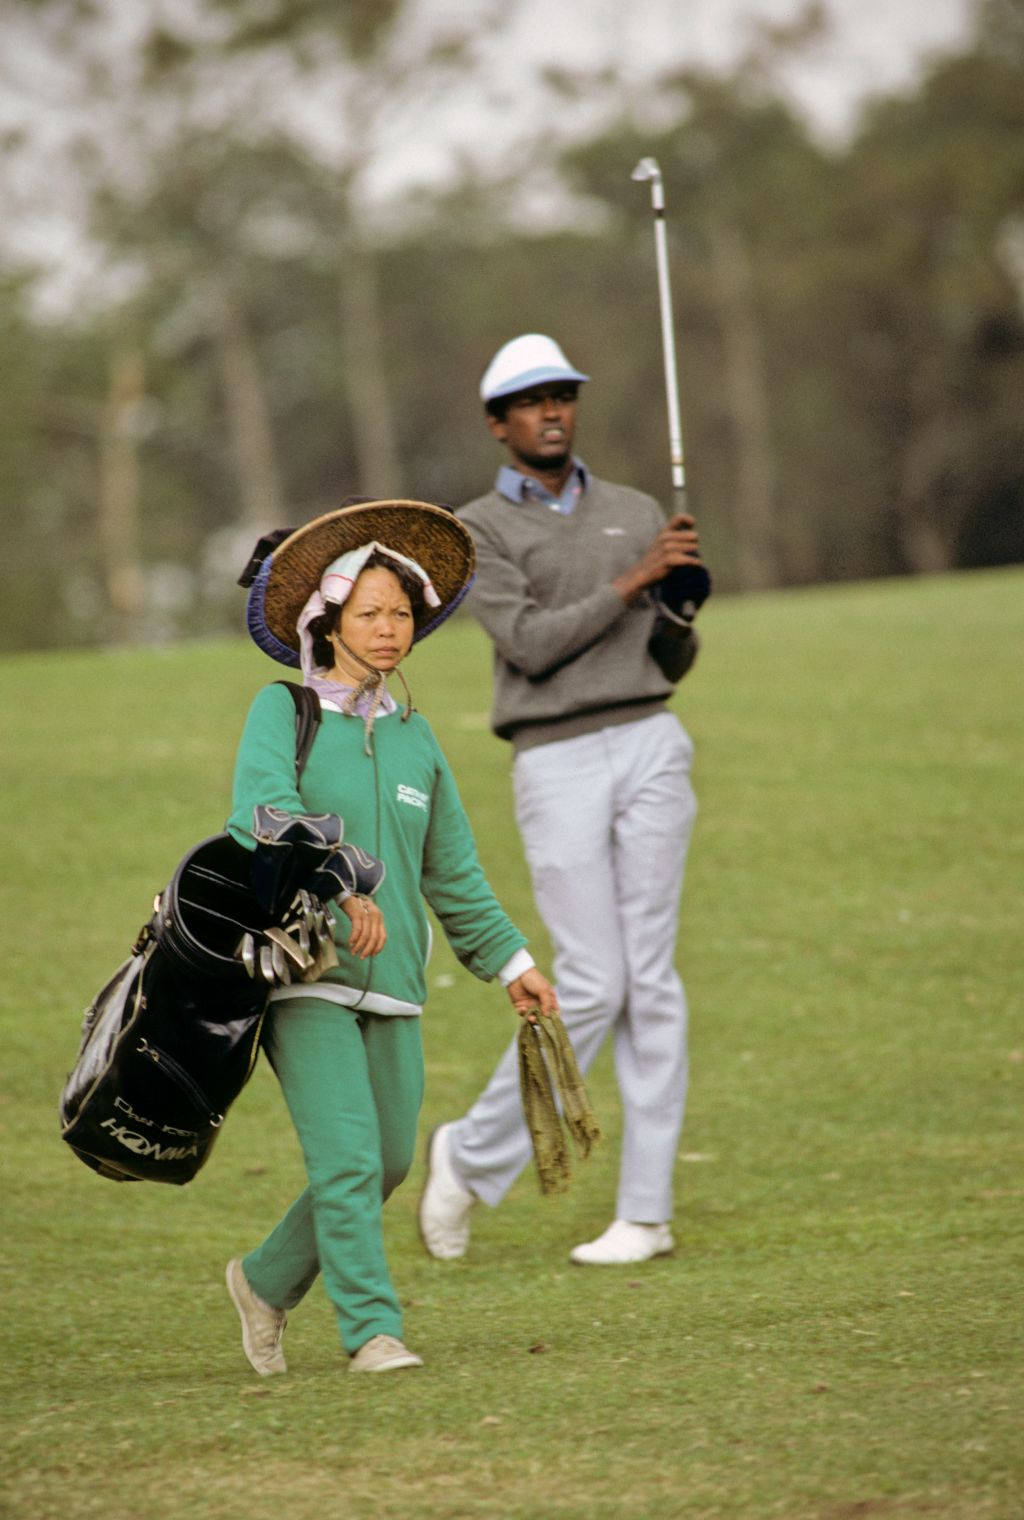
(346, 596)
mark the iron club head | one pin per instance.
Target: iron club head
(283, 943)
(246, 953)
(647, 168)
(278, 962)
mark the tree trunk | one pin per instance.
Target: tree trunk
(757, 546)
(377, 461)
(926, 548)
(119, 495)
(251, 433)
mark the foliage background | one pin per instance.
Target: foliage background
(253, 337)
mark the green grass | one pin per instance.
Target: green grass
(839, 1334)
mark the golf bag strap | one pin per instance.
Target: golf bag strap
(307, 721)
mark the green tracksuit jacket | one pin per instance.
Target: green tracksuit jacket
(402, 805)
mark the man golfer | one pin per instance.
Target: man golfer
(585, 658)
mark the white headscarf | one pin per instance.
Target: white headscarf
(336, 585)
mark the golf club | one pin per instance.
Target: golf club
(289, 947)
(687, 586)
(246, 953)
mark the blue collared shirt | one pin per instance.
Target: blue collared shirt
(517, 487)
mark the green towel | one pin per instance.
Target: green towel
(546, 1066)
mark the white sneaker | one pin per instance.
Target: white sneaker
(383, 1353)
(262, 1325)
(624, 1242)
(444, 1203)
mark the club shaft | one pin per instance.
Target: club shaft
(648, 169)
(675, 431)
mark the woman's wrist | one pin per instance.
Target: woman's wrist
(515, 966)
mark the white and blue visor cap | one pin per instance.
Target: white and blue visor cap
(526, 361)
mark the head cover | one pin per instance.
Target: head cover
(336, 584)
(286, 575)
(530, 360)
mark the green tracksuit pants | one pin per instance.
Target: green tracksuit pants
(353, 1083)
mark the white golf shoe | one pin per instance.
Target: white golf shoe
(262, 1325)
(383, 1353)
(444, 1203)
(624, 1242)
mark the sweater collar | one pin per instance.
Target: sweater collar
(518, 488)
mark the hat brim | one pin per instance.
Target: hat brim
(542, 374)
(430, 535)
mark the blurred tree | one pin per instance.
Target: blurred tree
(741, 177)
(849, 348)
(339, 82)
(197, 232)
(53, 405)
(850, 322)
(206, 129)
(343, 52)
(934, 181)
(119, 492)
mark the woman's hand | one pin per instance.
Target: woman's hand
(368, 935)
(531, 994)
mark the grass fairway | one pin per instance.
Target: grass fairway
(839, 1335)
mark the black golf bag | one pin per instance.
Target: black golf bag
(172, 1038)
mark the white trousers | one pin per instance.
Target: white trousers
(606, 820)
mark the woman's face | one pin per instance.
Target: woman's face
(376, 623)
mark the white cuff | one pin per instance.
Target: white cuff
(514, 968)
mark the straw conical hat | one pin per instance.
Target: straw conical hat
(289, 574)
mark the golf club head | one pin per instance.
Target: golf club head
(246, 953)
(326, 958)
(290, 948)
(278, 962)
(646, 169)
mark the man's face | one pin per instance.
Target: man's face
(538, 427)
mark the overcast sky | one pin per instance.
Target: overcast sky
(875, 46)
(878, 46)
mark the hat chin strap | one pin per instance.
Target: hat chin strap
(372, 685)
(371, 670)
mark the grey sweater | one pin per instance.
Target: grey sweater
(569, 655)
